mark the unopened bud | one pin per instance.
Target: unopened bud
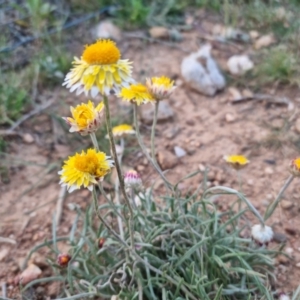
(63, 259)
(295, 167)
(101, 242)
(132, 179)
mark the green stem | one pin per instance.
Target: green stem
(274, 204)
(240, 190)
(95, 201)
(94, 140)
(144, 149)
(116, 211)
(120, 176)
(153, 133)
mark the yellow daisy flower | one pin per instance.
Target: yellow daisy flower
(99, 69)
(160, 87)
(295, 166)
(236, 161)
(85, 169)
(86, 118)
(137, 93)
(123, 129)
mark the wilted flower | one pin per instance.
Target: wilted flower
(85, 169)
(262, 234)
(86, 118)
(295, 166)
(99, 69)
(132, 179)
(63, 259)
(137, 93)
(122, 130)
(236, 161)
(160, 87)
(101, 242)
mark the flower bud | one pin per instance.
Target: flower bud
(295, 166)
(132, 179)
(101, 242)
(63, 259)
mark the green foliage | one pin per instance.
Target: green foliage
(54, 64)
(12, 99)
(185, 249)
(278, 65)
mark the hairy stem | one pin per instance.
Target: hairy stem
(274, 204)
(94, 140)
(109, 228)
(153, 133)
(117, 163)
(144, 149)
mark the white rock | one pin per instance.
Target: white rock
(159, 32)
(247, 93)
(264, 41)
(107, 30)
(254, 34)
(239, 64)
(289, 250)
(269, 171)
(230, 118)
(201, 72)
(165, 112)
(31, 273)
(235, 94)
(179, 152)
(28, 138)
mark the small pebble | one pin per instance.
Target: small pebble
(269, 171)
(285, 204)
(179, 152)
(230, 118)
(28, 138)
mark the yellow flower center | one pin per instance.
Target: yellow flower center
(87, 163)
(103, 52)
(164, 81)
(82, 115)
(297, 163)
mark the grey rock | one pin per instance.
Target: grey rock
(165, 112)
(179, 152)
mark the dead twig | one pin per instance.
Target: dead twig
(59, 204)
(37, 110)
(153, 40)
(7, 240)
(9, 133)
(265, 97)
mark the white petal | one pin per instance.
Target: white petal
(72, 188)
(94, 91)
